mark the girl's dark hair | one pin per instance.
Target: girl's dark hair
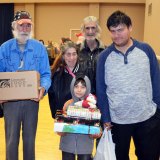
(81, 80)
(117, 18)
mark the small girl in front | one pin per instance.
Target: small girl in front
(80, 145)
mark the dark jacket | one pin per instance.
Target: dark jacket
(88, 59)
(59, 91)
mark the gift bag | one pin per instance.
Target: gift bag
(106, 147)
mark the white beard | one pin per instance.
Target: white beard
(22, 37)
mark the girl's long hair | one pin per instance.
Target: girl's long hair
(59, 63)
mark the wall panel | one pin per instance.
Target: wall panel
(55, 20)
(136, 12)
(152, 25)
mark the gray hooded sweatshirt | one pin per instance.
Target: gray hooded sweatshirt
(77, 143)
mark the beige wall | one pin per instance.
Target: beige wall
(56, 20)
(152, 25)
(73, 1)
(135, 11)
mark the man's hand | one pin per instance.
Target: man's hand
(41, 94)
(107, 125)
(2, 101)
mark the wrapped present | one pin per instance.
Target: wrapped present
(76, 128)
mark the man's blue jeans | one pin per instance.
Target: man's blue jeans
(20, 114)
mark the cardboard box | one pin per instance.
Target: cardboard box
(79, 128)
(19, 85)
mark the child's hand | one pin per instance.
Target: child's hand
(67, 104)
(95, 136)
(61, 133)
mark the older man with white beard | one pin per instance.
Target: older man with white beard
(22, 53)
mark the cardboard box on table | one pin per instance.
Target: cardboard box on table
(19, 85)
(76, 128)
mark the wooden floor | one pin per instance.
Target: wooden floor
(47, 142)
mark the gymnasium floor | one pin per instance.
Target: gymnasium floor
(47, 142)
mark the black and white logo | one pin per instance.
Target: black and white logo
(4, 83)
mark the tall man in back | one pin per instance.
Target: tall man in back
(90, 48)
